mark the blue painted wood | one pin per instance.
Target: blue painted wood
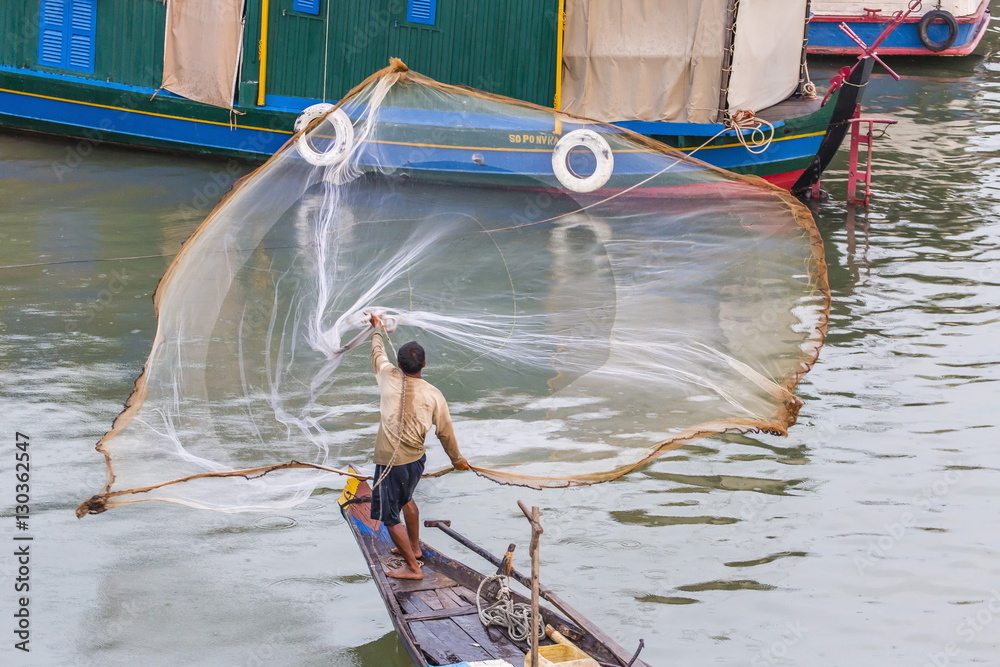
(286, 103)
(827, 34)
(684, 129)
(262, 142)
(306, 6)
(50, 40)
(67, 34)
(421, 11)
(74, 119)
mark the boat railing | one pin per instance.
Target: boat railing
(863, 134)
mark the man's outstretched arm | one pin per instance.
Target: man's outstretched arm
(378, 358)
(446, 434)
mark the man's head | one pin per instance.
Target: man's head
(410, 358)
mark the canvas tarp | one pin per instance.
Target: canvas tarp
(857, 7)
(767, 54)
(202, 47)
(644, 59)
(662, 60)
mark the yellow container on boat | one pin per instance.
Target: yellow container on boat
(562, 656)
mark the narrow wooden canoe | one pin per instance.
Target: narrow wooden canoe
(437, 618)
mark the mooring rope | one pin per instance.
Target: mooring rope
(759, 140)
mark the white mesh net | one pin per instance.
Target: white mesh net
(575, 335)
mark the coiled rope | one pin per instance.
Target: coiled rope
(759, 140)
(514, 617)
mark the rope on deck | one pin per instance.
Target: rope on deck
(514, 617)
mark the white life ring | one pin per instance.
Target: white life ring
(343, 135)
(309, 113)
(597, 145)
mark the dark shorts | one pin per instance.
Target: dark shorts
(395, 490)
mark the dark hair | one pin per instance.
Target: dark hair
(410, 358)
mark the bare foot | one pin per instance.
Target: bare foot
(405, 573)
(417, 553)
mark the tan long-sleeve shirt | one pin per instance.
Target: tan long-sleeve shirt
(425, 407)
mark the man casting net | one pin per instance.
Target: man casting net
(588, 299)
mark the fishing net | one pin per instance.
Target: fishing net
(588, 300)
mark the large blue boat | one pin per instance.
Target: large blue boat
(230, 77)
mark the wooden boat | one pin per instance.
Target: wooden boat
(437, 618)
(944, 28)
(107, 72)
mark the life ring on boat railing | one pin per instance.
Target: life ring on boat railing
(597, 145)
(927, 20)
(343, 137)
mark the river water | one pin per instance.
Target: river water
(868, 536)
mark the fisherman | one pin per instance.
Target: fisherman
(409, 406)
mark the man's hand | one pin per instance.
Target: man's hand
(462, 464)
(376, 321)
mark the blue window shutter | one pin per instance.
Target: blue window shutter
(306, 6)
(50, 40)
(421, 11)
(67, 34)
(82, 35)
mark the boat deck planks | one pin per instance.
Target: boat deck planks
(440, 639)
(439, 612)
(442, 616)
(496, 640)
(437, 617)
(432, 580)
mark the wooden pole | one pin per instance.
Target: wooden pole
(572, 614)
(536, 531)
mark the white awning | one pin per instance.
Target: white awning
(767, 58)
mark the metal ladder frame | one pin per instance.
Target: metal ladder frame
(862, 134)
